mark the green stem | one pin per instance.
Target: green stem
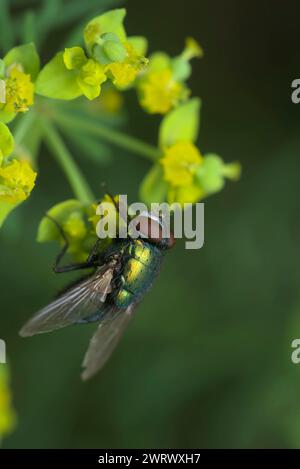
(29, 27)
(63, 156)
(23, 126)
(113, 136)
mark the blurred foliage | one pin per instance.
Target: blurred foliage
(39, 20)
(206, 362)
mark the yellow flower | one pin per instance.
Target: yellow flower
(182, 174)
(90, 79)
(74, 58)
(162, 87)
(18, 94)
(180, 162)
(92, 32)
(90, 74)
(75, 227)
(124, 73)
(7, 413)
(185, 194)
(159, 92)
(17, 180)
(76, 230)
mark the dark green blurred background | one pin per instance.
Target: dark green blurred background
(206, 363)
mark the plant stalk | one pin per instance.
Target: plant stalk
(59, 150)
(112, 136)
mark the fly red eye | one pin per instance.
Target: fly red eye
(152, 229)
(149, 228)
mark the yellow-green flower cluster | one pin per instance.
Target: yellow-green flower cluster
(182, 174)
(18, 70)
(16, 90)
(180, 164)
(161, 87)
(17, 178)
(7, 413)
(76, 220)
(190, 176)
(124, 73)
(90, 74)
(109, 54)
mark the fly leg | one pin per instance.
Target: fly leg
(94, 254)
(91, 262)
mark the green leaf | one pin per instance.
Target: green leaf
(159, 61)
(110, 22)
(47, 230)
(27, 56)
(5, 209)
(139, 43)
(153, 188)
(2, 69)
(55, 81)
(210, 174)
(6, 117)
(181, 69)
(181, 124)
(6, 141)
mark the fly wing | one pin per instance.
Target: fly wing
(105, 340)
(85, 299)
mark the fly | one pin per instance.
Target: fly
(121, 276)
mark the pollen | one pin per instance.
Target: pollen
(124, 73)
(180, 163)
(19, 91)
(92, 73)
(17, 179)
(160, 92)
(92, 33)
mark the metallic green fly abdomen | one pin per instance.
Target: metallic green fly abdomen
(141, 264)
